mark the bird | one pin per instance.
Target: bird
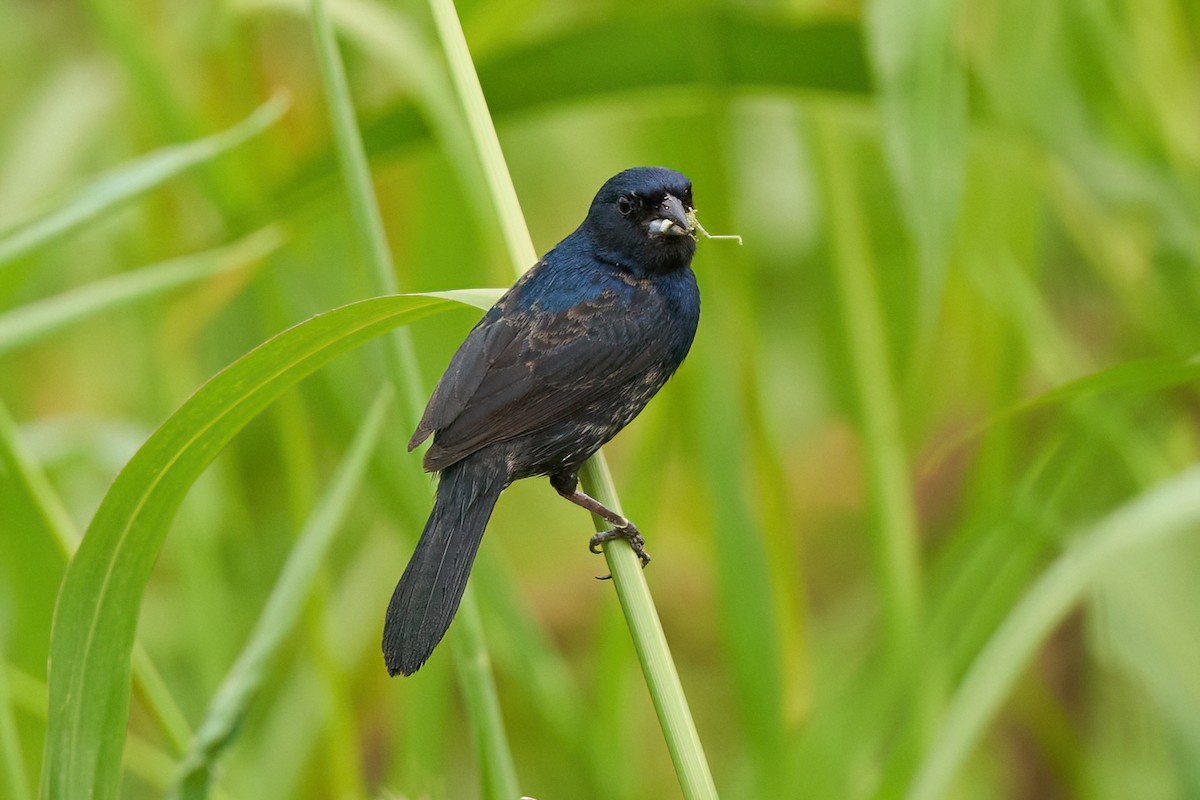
(562, 362)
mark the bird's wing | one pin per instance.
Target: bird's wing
(491, 337)
(518, 373)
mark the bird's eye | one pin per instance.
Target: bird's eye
(624, 206)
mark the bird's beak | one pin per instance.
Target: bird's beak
(671, 219)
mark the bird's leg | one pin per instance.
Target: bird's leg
(567, 485)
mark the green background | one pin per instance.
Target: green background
(914, 499)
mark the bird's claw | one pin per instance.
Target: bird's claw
(629, 533)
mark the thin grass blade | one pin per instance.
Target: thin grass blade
(895, 531)
(282, 610)
(31, 323)
(130, 180)
(1157, 514)
(1118, 383)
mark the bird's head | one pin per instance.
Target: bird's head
(640, 219)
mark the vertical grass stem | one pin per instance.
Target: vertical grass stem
(670, 703)
(472, 662)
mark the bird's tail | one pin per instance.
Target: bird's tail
(428, 593)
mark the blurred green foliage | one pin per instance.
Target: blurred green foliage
(911, 498)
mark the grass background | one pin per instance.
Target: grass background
(915, 498)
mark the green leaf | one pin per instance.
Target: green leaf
(282, 610)
(131, 179)
(97, 610)
(32, 322)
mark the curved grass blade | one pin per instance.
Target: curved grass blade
(50, 528)
(32, 322)
(480, 298)
(131, 179)
(143, 760)
(282, 610)
(96, 614)
(1156, 514)
(1112, 385)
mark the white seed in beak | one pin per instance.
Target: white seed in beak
(661, 226)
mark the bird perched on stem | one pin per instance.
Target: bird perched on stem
(563, 361)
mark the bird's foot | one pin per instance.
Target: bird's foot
(629, 533)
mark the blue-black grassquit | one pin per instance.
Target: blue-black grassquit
(562, 362)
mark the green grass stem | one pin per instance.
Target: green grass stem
(666, 691)
(472, 662)
(521, 252)
(662, 679)
(364, 208)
